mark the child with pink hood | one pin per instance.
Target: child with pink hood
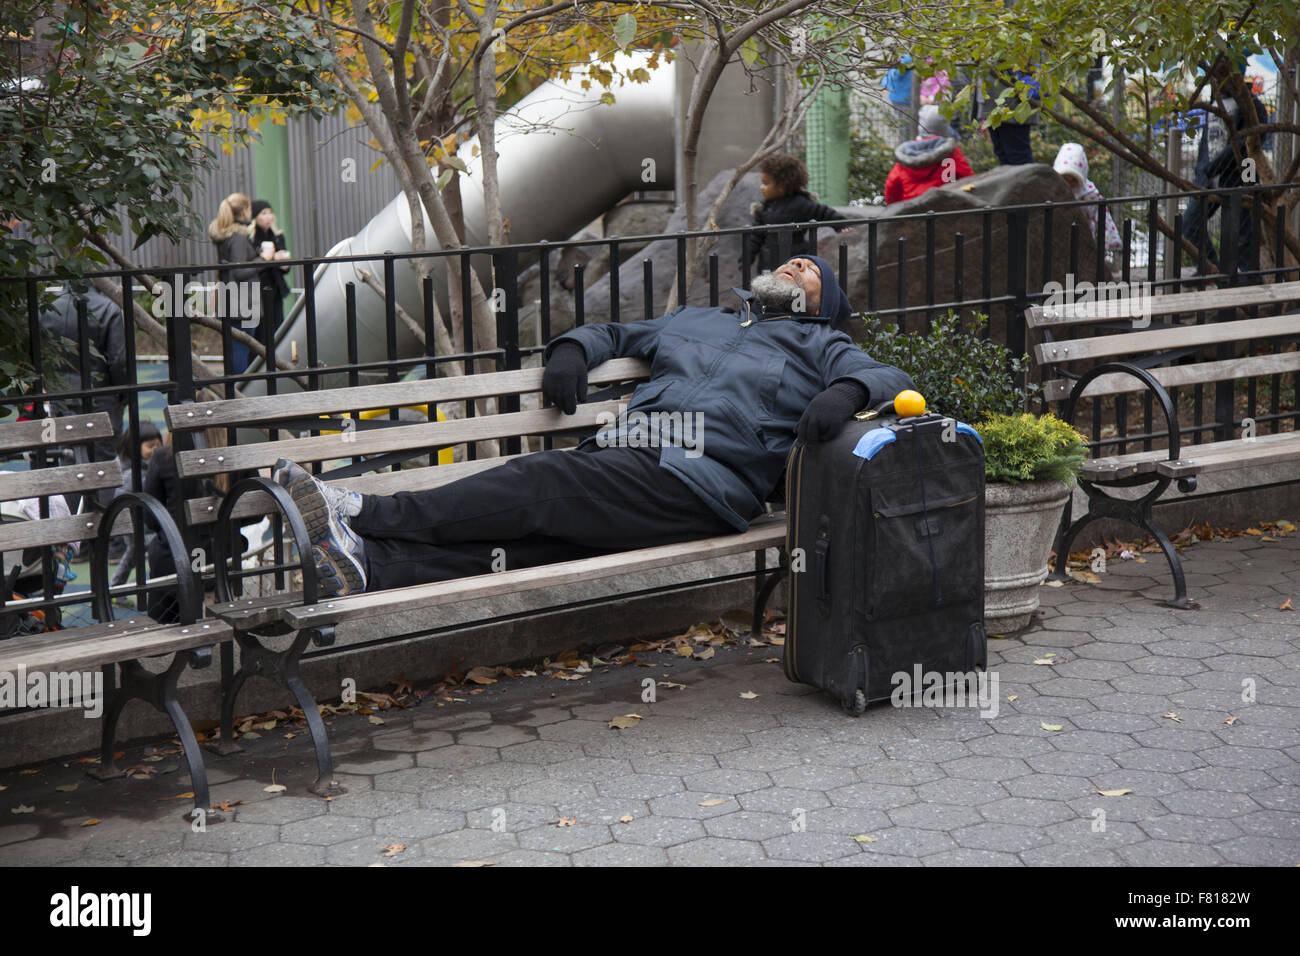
(1072, 166)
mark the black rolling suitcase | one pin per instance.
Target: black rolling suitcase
(886, 544)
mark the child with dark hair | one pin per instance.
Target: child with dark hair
(784, 183)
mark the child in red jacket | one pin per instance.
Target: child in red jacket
(930, 160)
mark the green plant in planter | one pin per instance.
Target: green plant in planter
(960, 373)
(1030, 448)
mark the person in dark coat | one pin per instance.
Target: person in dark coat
(275, 288)
(930, 160)
(1219, 155)
(231, 233)
(784, 183)
(732, 388)
(106, 330)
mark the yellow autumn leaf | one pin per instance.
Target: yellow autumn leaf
(624, 722)
(1113, 793)
(713, 802)
(748, 695)
(863, 838)
(1051, 727)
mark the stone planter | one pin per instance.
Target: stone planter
(1020, 523)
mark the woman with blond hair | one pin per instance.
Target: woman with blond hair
(231, 233)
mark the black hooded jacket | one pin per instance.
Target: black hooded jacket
(744, 377)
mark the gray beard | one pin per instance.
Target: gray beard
(773, 293)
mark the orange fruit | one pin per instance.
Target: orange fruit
(908, 403)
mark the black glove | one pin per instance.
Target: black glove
(828, 411)
(564, 383)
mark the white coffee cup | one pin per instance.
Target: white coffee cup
(268, 249)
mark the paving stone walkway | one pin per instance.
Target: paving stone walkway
(1196, 714)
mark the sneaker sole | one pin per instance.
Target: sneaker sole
(323, 529)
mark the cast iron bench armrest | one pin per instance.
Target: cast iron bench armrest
(1187, 480)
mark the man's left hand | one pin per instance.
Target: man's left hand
(827, 413)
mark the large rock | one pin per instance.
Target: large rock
(963, 206)
(964, 202)
(735, 213)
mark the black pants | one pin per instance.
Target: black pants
(1011, 144)
(541, 508)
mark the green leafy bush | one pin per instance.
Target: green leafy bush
(1030, 448)
(960, 373)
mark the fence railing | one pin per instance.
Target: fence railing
(906, 269)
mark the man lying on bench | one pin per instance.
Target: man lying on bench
(735, 388)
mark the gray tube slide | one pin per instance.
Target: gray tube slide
(564, 157)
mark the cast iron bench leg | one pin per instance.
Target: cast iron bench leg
(765, 583)
(158, 690)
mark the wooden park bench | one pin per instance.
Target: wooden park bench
(115, 647)
(377, 444)
(1113, 349)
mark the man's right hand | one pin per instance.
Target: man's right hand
(564, 383)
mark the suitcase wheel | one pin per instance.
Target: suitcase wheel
(857, 706)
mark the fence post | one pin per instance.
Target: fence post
(505, 269)
(1017, 282)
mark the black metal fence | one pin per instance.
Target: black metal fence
(905, 269)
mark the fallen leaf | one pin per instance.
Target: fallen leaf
(483, 675)
(290, 736)
(375, 719)
(251, 735)
(997, 637)
(91, 822)
(1254, 531)
(1270, 540)
(713, 802)
(23, 808)
(777, 641)
(1113, 793)
(1044, 660)
(1013, 697)
(227, 806)
(748, 695)
(626, 818)
(66, 787)
(566, 821)
(275, 788)
(1047, 726)
(28, 773)
(394, 848)
(1172, 716)
(1055, 584)
(474, 863)
(269, 725)
(756, 643)
(187, 795)
(1286, 605)
(3, 787)
(624, 722)
(704, 655)
(863, 838)
(672, 685)
(1231, 720)
(564, 675)
(684, 650)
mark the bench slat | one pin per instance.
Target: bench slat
(94, 646)
(1158, 340)
(763, 533)
(285, 407)
(60, 480)
(1233, 456)
(68, 430)
(212, 461)
(1145, 462)
(1179, 375)
(1101, 311)
(255, 504)
(36, 534)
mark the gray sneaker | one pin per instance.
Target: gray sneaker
(338, 551)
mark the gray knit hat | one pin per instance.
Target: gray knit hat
(931, 122)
